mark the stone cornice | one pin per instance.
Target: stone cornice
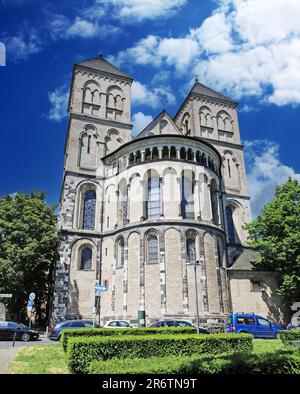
(95, 119)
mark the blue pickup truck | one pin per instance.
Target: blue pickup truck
(258, 326)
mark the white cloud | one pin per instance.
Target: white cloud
(265, 171)
(58, 101)
(142, 95)
(23, 44)
(246, 48)
(140, 121)
(214, 34)
(88, 25)
(138, 10)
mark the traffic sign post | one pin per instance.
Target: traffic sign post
(99, 289)
(31, 298)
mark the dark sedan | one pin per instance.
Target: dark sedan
(55, 331)
(176, 323)
(10, 330)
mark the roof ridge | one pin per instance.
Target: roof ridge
(101, 64)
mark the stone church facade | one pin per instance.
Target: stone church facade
(136, 213)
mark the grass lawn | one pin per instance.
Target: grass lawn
(39, 359)
(50, 359)
(267, 345)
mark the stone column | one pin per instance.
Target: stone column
(161, 197)
(142, 156)
(197, 200)
(178, 153)
(128, 205)
(125, 277)
(160, 153)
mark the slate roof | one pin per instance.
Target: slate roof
(245, 260)
(203, 90)
(101, 64)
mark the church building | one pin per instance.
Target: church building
(137, 213)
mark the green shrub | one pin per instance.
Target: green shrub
(280, 362)
(92, 332)
(152, 365)
(288, 336)
(81, 351)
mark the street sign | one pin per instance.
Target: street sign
(99, 288)
(5, 295)
(29, 304)
(31, 296)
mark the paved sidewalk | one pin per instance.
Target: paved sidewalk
(8, 351)
(7, 354)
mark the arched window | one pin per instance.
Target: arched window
(214, 201)
(152, 248)
(89, 210)
(91, 98)
(173, 154)
(154, 153)
(187, 195)
(182, 153)
(120, 252)
(147, 154)
(138, 157)
(165, 152)
(230, 224)
(190, 247)
(86, 259)
(153, 195)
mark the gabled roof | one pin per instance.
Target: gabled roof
(101, 64)
(203, 90)
(155, 121)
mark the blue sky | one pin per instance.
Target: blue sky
(246, 49)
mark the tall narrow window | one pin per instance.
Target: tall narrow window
(230, 225)
(153, 206)
(190, 249)
(86, 259)
(228, 166)
(89, 144)
(187, 196)
(120, 252)
(89, 210)
(152, 248)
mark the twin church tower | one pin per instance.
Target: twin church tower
(136, 213)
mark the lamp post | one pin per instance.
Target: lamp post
(195, 263)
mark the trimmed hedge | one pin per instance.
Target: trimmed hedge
(81, 351)
(280, 362)
(288, 336)
(92, 332)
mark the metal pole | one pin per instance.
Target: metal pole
(196, 295)
(30, 320)
(94, 322)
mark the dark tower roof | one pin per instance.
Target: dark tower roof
(101, 64)
(203, 90)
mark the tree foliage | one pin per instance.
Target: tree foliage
(275, 234)
(28, 244)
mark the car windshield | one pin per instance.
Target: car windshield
(21, 325)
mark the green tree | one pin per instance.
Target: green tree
(275, 234)
(28, 245)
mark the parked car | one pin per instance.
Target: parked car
(117, 324)
(10, 329)
(177, 323)
(258, 326)
(55, 331)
